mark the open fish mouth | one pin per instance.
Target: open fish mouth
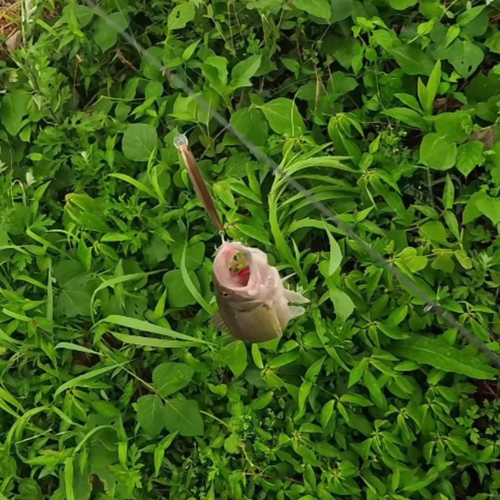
(239, 269)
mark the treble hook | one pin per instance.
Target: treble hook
(200, 186)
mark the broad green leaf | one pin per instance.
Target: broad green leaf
(341, 9)
(402, 4)
(456, 126)
(318, 8)
(183, 417)
(168, 378)
(245, 70)
(178, 292)
(29, 489)
(439, 354)
(413, 60)
(434, 231)
(195, 253)
(255, 232)
(108, 29)
(342, 303)
(469, 15)
(139, 141)
(234, 355)
(150, 414)
(181, 15)
(465, 57)
(252, 124)
(84, 15)
(411, 260)
(463, 259)
(444, 262)
(471, 211)
(490, 207)
(469, 156)
(284, 117)
(493, 43)
(14, 109)
(438, 152)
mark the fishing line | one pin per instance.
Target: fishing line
(432, 305)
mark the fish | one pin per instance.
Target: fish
(254, 305)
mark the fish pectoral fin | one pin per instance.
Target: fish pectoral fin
(295, 297)
(219, 323)
(296, 311)
(286, 278)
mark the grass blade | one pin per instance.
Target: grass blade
(145, 326)
(152, 342)
(82, 378)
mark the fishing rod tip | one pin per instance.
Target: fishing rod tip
(180, 140)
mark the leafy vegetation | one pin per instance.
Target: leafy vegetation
(114, 385)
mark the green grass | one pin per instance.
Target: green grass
(113, 382)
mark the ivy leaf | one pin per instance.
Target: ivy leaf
(318, 8)
(469, 156)
(438, 152)
(341, 9)
(183, 417)
(168, 378)
(245, 70)
(75, 297)
(29, 489)
(465, 57)
(106, 36)
(434, 231)
(235, 356)
(139, 141)
(411, 260)
(493, 42)
(413, 60)
(252, 124)
(181, 15)
(402, 4)
(456, 126)
(284, 117)
(343, 304)
(490, 207)
(14, 109)
(177, 292)
(150, 414)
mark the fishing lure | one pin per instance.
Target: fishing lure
(200, 186)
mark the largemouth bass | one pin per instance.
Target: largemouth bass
(253, 303)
